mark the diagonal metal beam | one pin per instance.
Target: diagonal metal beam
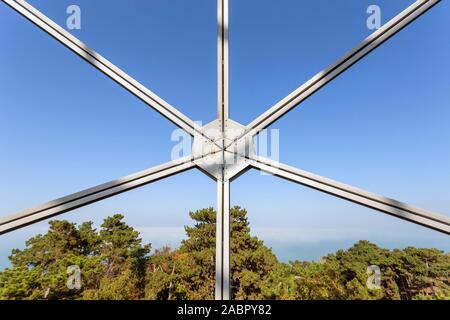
(392, 207)
(94, 194)
(116, 74)
(328, 74)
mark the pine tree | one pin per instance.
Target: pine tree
(190, 271)
(116, 265)
(112, 262)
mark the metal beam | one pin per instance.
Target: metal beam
(222, 62)
(328, 74)
(223, 291)
(392, 207)
(223, 97)
(92, 195)
(116, 74)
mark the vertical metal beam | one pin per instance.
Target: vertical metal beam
(222, 62)
(219, 244)
(223, 187)
(223, 241)
(226, 242)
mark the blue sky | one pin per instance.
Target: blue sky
(382, 126)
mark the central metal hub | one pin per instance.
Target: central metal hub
(221, 154)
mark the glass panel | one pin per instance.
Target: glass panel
(52, 150)
(64, 126)
(169, 46)
(276, 46)
(383, 124)
(308, 245)
(114, 261)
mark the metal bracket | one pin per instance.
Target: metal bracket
(213, 159)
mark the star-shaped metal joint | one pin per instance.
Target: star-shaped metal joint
(220, 153)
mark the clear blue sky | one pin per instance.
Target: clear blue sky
(382, 126)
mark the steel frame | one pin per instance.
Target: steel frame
(392, 207)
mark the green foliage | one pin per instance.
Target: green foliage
(405, 274)
(188, 273)
(116, 265)
(106, 258)
(251, 260)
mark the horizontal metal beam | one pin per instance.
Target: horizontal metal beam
(328, 74)
(392, 207)
(94, 194)
(116, 74)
